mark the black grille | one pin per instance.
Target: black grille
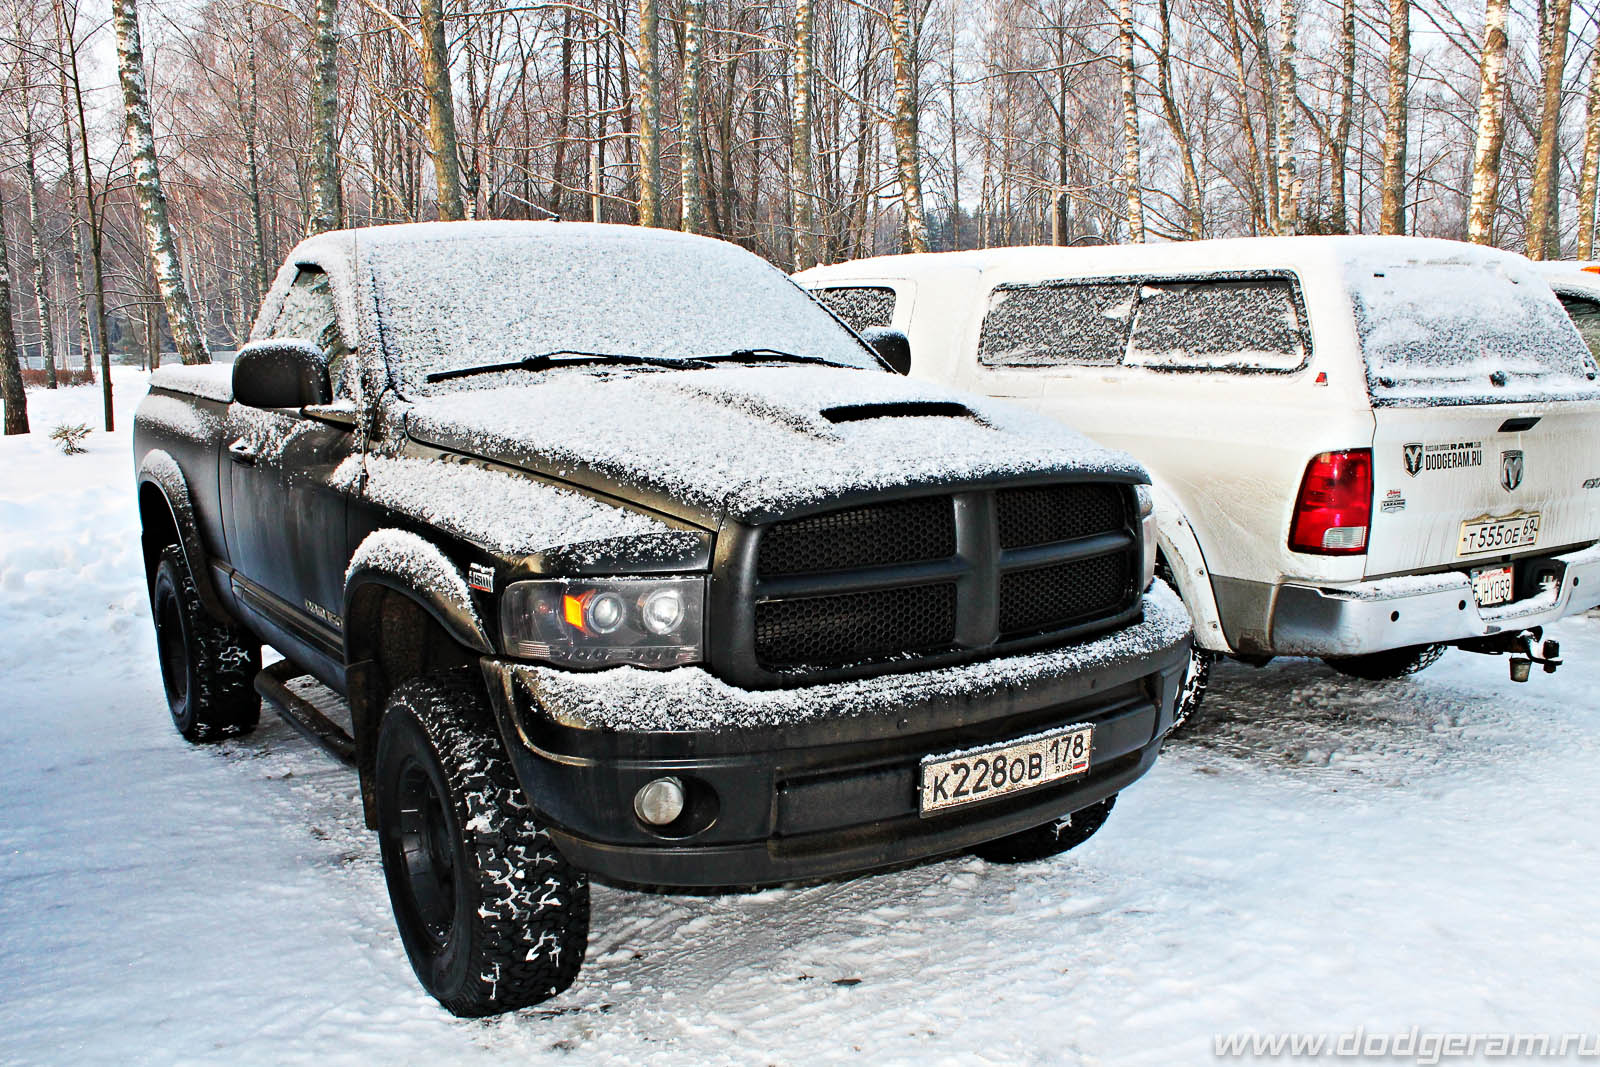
(903, 531)
(1044, 515)
(832, 631)
(1048, 598)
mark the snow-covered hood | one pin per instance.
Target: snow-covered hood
(749, 443)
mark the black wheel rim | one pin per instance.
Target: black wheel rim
(427, 853)
(173, 652)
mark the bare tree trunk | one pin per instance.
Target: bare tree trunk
(1288, 108)
(1340, 148)
(1261, 212)
(1393, 217)
(11, 387)
(442, 144)
(955, 162)
(649, 117)
(147, 183)
(903, 126)
(1169, 106)
(1591, 163)
(1491, 125)
(1543, 240)
(325, 200)
(691, 117)
(75, 214)
(41, 266)
(1130, 122)
(67, 31)
(800, 172)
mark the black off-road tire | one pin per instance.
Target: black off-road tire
(1192, 690)
(1051, 839)
(493, 918)
(1387, 666)
(207, 669)
(1197, 674)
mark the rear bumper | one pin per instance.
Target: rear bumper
(805, 783)
(1353, 620)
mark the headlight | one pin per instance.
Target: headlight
(1147, 532)
(599, 622)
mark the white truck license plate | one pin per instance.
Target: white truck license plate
(1491, 586)
(957, 778)
(1498, 535)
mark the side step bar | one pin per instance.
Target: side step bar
(273, 685)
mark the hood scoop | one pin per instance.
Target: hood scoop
(902, 409)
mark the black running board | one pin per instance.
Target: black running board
(273, 685)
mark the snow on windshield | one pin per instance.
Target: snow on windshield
(1465, 332)
(488, 294)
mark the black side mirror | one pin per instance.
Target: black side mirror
(892, 346)
(281, 374)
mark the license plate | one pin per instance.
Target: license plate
(977, 774)
(1498, 535)
(1491, 586)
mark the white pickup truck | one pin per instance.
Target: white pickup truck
(1364, 449)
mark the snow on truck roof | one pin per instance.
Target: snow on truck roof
(1175, 257)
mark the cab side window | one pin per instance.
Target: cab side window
(1056, 323)
(860, 306)
(309, 314)
(1586, 317)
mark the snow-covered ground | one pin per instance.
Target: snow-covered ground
(1319, 855)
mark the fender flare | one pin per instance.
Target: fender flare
(419, 570)
(1186, 561)
(161, 472)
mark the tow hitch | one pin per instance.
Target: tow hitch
(1524, 648)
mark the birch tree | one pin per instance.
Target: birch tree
(12, 392)
(649, 117)
(1130, 121)
(1339, 149)
(1288, 107)
(691, 117)
(1543, 241)
(1591, 161)
(904, 124)
(1180, 136)
(800, 175)
(326, 209)
(443, 144)
(1393, 216)
(140, 134)
(1491, 124)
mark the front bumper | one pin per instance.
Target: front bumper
(1352, 620)
(819, 781)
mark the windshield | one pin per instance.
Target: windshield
(451, 302)
(1466, 333)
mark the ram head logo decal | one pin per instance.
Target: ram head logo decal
(1511, 469)
(1414, 459)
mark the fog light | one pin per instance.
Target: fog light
(660, 802)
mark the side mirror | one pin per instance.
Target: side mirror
(893, 346)
(281, 374)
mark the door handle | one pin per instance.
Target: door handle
(243, 452)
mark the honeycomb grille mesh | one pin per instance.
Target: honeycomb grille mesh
(1043, 515)
(831, 631)
(1048, 598)
(901, 531)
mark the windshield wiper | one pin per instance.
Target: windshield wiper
(562, 357)
(769, 355)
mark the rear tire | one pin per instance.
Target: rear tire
(1051, 839)
(493, 918)
(208, 669)
(1387, 666)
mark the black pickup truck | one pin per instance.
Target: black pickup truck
(623, 557)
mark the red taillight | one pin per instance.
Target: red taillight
(1334, 509)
